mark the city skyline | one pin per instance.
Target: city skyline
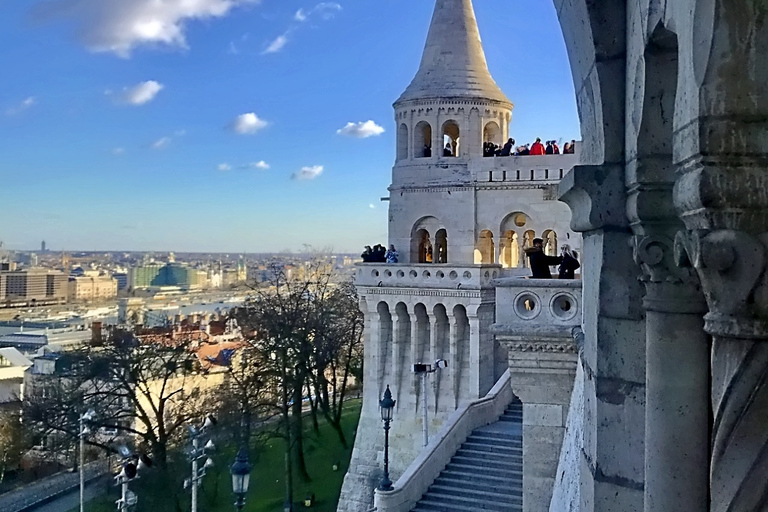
(240, 127)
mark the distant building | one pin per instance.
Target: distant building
(35, 286)
(122, 280)
(153, 275)
(87, 288)
(43, 248)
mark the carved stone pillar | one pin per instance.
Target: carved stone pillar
(677, 381)
(611, 473)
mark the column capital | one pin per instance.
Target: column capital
(731, 267)
(596, 197)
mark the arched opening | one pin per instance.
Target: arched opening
(484, 251)
(422, 140)
(421, 250)
(528, 237)
(402, 142)
(420, 346)
(510, 250)
(451, 135)
(402, 341)
(461, 351)
(385, 341)
(441, 246)
(550, 242)
(491, 139)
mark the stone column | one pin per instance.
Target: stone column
(474, 355)
(453, 362)
(613, 356)
(677, 382)
(542, 370)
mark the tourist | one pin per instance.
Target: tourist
(523, 150)
(549, 150)
(571, 148)
(540, 262)
(567, 148)
(507, 149)
(427, 151)
(555, 148)
(570, 263)
(537, 148)
(428, 256)
(391, 255)
(447, 151)
(367, 254)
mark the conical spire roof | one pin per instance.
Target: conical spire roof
(453, 64)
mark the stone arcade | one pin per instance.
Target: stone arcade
(669, 410)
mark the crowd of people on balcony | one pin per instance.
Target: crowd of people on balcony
(538, 148)
(379, 254)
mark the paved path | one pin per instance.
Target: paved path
(71, 500)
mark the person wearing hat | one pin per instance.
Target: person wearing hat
(540, 262)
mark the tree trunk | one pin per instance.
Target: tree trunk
(298, 435)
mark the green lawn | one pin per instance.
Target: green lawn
(267, 489)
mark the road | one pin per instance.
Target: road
(71, 500)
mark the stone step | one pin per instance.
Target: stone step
(497, 470)
(511, 419)
(503, 440)
(497, 448)
(432, 497)
(485, 479)
(501, 436)
(495, 495)
(487, 485)
(493, 456)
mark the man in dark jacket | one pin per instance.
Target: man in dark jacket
(539, 261)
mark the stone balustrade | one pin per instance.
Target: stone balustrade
(427, 275)
(506, 169)
(410, 487)
(531, 307)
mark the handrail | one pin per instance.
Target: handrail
(423, 471)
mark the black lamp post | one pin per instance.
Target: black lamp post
(387, 406)
(241, 477)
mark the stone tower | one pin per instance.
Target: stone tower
(460, 221)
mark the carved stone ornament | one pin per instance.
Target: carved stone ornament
(731, 267)
(669, 287)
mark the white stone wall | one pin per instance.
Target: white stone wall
(566, 497)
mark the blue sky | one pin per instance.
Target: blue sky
(213, 125)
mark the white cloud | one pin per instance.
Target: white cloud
(224, 167)
(371, 206)
(161, 143)
(248, 123)
(361, 130)
(308, 173)
(24, 105)
(301, 15)
(260, 165)
(277, 44)
(327, 9)
(118, 151)
(141, 93)
(120, 27)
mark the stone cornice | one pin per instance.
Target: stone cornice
(420, 292)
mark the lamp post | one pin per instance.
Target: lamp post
(241, 477)
(85, 418)
(387, 406)
(132, 464)
(198, 453)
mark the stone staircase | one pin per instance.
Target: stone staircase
(486, 473)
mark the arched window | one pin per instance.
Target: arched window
(510, 250)
(402, 142)
(422, 140)
(485, 249)
(550, 242)
(441, 246)
(451, 139)
(421, 247)
(492, 133)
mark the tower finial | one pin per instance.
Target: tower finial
(453, 64)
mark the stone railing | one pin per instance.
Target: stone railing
(410, 487)
(501, 169)
(537, 306)
(427, 275)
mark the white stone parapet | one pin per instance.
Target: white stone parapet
(547, 168)
(410, 487)
(537, 307)
(427, 275)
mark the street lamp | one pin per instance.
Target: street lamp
(241, 477)
(85, 419)
(198, 453)
(131, 465)
(386, 406)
